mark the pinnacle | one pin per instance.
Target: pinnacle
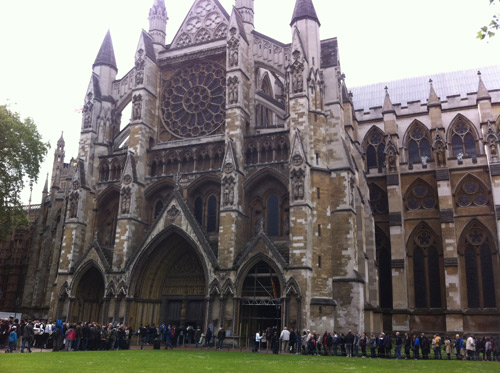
(304, 9)
(106, 55)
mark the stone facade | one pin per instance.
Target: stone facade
(250, 185)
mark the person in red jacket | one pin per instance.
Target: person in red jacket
(69, 338)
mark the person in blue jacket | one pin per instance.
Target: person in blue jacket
(12, 339)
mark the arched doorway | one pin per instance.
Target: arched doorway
(89, 297)
(170, 285)
(260, 299)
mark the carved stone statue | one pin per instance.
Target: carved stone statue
(259, 225)
(73, 205)
(233, 90)
(233, 46)
(137, 107)
(139, 67)
(126, 195)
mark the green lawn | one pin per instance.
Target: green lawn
(221, 362)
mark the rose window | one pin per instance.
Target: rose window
(472, 193)
(193, 101)
(420, 196)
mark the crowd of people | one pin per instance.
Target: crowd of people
(399, 346)
(59, 336)
(84, 336)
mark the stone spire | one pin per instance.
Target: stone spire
(304, 9)
(46, 186)
(158, 22)
(59, 153)
(482, 92)
(388, 107)
(106, 55)
(433, 97)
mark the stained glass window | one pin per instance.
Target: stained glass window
(463, 140)
(418, 144)
(193, 100)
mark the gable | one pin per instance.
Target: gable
(206, 21)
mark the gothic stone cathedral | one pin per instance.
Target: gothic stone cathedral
(250, 187)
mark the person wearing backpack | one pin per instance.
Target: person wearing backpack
(362, 343)
(373, 345)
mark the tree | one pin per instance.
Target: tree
(21, 154)
(490, 30)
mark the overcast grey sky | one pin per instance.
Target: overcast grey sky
(49, 47)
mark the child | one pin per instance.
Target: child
(12, 339)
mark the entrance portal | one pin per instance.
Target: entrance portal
(89, 297)
(171, 285)
(260, 303)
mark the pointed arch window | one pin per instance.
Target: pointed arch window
(463, 139)
(158, 209)
(198, 210)
(472, 193)
(273, 215)
(212, 214)
(375, 149)
(418, 144)
(427, 270)
(384, 268)
(420, 196)
(479, 255)
(378, 199)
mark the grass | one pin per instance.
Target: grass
(221, 362)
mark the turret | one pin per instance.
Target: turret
(58, 158)
(246, 10)
(307, 23)
(158, 22)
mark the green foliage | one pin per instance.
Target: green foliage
(187, 361)
(490, 30)
(21, 154)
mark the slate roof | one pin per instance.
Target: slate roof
(106, 55)
(418, 88)
(304, 9)
(148, 45)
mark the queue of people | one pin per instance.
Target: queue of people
(399, 346)
(82, 336)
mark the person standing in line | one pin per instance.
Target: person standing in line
(416, 347)
(470, 346)
(292, 342)
(407, 343)
(220, 336)
(436, 344)
(349, 340)
(12, 339)
(447, 346)
(399, 344)
(197, 337)
(275, 342)
(362, 343)
(487, 349)
(28, 335)
(285, 338)
(373, 346)
(355, 345)
(335, 342)
(458, 346)
(388, 345)
(258, 337)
